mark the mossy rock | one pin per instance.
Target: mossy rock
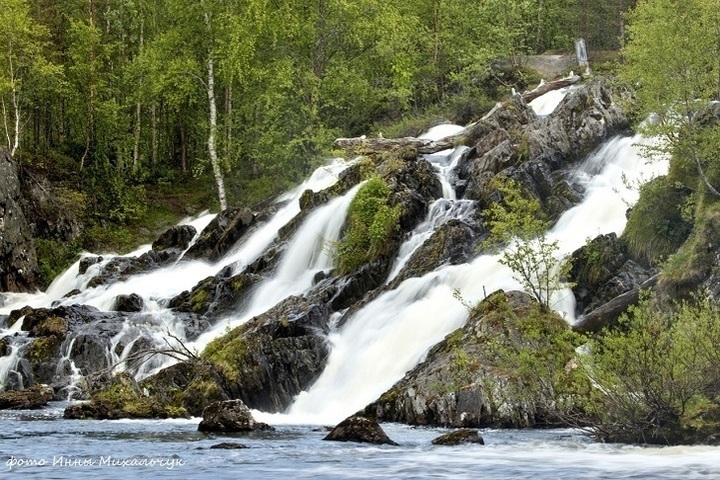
(43, 348)
(122, 397)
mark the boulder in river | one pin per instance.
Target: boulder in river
(458, 437)
(359, 429)
(229, 416)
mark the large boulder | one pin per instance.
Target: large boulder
(34, 397)
(464, 381)
(273, 357)
(361, 430)
(229, 416)
(18, 260)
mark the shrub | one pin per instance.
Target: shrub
(371, 222)
(655, 377)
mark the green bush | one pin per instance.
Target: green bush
(655, 377)
(656, 227)
(371, 222)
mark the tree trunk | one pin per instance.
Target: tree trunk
(153, 115)
(217, 171)
(210, 87)
(136, 147)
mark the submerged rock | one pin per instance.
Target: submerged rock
(228, 446)
(459, 437)
(359, 429)
(229, 416)
(34, 397)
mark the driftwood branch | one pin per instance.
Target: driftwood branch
(426, 146)
(608, 313)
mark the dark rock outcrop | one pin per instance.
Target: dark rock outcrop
(462, 383)
(221, 234)
(215, 296)
(602, 270)
(129, 303)
(18, 260)
(228, 446)
(361, 430)
(34, 397)
(459, 437)
(275, 356)
(175, 238)
(516, 143)
(228, 417)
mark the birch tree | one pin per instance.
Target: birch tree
(21, 63)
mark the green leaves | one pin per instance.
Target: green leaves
(371, 224)
(655, 377)
(517, 225)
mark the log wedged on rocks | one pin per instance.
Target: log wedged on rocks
(607, 314)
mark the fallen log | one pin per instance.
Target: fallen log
(546, 87)
(607, 314)
(422, 145)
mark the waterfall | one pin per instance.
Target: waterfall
(394, 332)
(308, 253)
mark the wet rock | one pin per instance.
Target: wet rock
(229, 416)
(129, 303)
(537, 152)
(274, 356)
(228, 446)
(215, 296)
(175, 238)
(87, 262)
(452, 243)
(121, 268)
(18, 259)
(221, 234)
(34, 397)
(459, 437)
(359, 429)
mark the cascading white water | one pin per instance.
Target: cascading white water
(308, 253)
(391, 334)
(158, 326)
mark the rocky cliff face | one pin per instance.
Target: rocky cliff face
(18, 261)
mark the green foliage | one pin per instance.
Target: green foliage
(655, 377)
(517, 224)
(537, 351)
(54, 257)
(656, 227)
(371, 224)
(673, 60)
